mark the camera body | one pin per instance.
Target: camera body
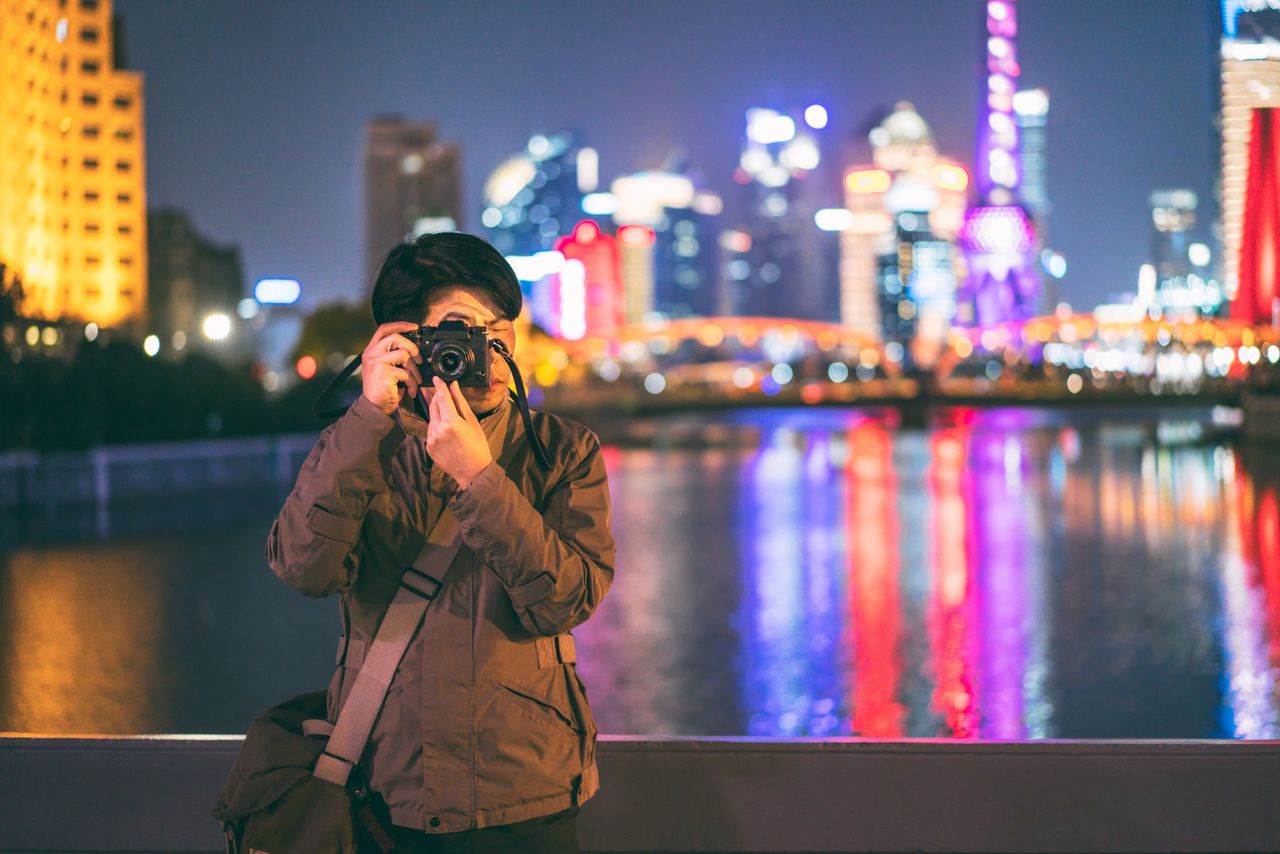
(454, 351)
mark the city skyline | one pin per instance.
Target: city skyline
(277, 134)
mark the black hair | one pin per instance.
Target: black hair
(413, 270)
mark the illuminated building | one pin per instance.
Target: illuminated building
(412, 186)
(1250, 94)
(583, 297)
(537, 195)
(190, 278)
(783, 274)
(998, 238)
(1031, 115)
(1178, 285)
(677, 231)
(898, 265)
(72, 176)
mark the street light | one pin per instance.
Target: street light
(216, 326)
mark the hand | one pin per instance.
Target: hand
(455, 439)
(389, 360)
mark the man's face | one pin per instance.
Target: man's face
(474, 307)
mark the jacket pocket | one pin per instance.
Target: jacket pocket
(540, 709)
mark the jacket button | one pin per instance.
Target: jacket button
(435, 821)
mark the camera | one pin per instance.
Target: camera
(453, 351)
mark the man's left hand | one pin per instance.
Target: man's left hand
(455, 439)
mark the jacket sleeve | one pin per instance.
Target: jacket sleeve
(557, 565)
(314, 544)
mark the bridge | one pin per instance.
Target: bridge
(719, 362)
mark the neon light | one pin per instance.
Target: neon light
(585, 231)
(949, 176)
(1004, 229)
(636, 235)
(277, 291)
(868, 181)
(833, 219)
(769, 126)
(573, 299)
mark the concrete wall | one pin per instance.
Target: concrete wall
(729, 795)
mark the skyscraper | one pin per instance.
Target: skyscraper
(412, 186)
(898, 261)
(998, 237)
(1250, 96)
(535, 196)
(72, 176)
(783, 273)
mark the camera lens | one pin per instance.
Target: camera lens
(450, 361)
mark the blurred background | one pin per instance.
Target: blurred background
(933, 344)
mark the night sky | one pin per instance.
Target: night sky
(255, 111)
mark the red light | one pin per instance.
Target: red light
(307, 367)
(586, 231)
(636, 235)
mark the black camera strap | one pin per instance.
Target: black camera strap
(519, 396)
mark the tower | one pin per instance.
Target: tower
(998, 238)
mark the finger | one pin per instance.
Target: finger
(399, 342)
(460, 402)
(388, 329)
(433, 408)
(416, 378)
(400, 375)
(393, 357)
(447, 410)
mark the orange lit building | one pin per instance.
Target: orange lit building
(907, 178)
(72, 173)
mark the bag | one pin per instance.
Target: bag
(271, 802)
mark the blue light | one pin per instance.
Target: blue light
(277, 291)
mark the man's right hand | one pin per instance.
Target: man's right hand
(390, 359)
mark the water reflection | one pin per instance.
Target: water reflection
(1001, 575)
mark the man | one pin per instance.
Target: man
(485, 741)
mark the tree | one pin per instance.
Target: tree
(334, 328)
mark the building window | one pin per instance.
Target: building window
(126, 261)
(126, 293)
(124, 134)
(91, 227)
(123, 165)
(90, 66)
(90, 195)
(124, 198)
(92, 260)
(89, 35)
(91, 163)
(122, 102)
(124, 228)
(89, 99)
(89, 132)
(89, 5)
(92, 293)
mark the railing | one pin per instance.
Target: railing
(129, 472)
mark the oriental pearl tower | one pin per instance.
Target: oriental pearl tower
(998, 237)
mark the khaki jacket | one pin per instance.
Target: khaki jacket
(486, 721)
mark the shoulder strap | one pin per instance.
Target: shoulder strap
(419, 586)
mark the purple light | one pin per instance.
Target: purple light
(1004, 229)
